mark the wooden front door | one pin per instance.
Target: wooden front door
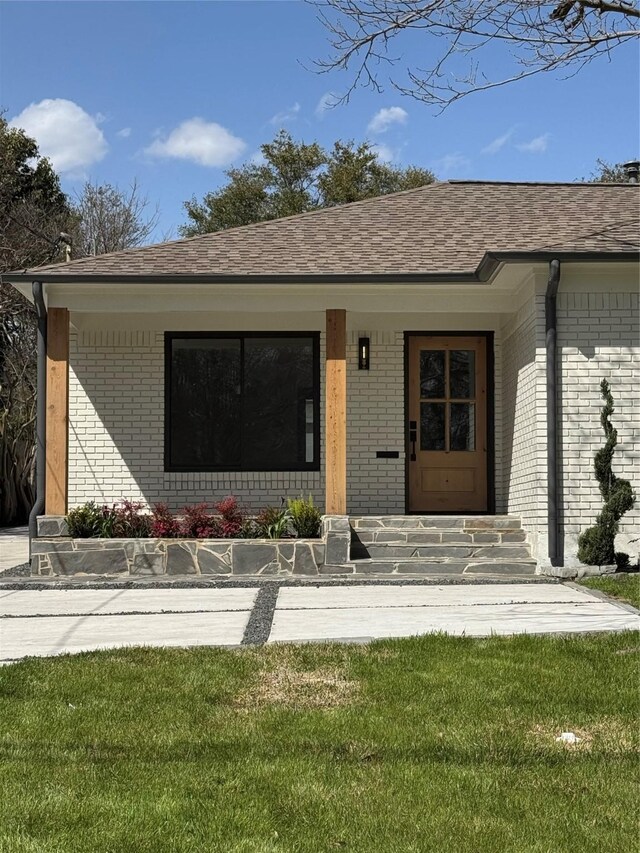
(447, 426)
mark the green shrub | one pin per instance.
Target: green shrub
(596, 544)
(305, 517)
(272, 523)
(623, 561)
(86, 521)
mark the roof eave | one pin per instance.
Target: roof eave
(481, 275)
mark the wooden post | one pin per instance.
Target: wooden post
(57, 411)
(336, 413)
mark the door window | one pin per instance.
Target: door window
(447, 400)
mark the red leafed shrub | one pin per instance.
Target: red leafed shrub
(231, 521)
(127, 520)
(198, 523)
(164, 525)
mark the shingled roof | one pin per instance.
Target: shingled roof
(442, 228)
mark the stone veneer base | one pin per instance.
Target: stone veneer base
(198, 557)
(55, 553)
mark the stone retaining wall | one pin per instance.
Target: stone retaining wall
(136, 557)
(55, 553)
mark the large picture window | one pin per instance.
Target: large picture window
(242, 402)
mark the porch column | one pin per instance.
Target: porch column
(57, 411)
(336, 413)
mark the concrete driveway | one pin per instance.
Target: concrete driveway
(14, 547)
(45, 622)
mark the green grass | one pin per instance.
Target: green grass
(427, 744)
(624, 588)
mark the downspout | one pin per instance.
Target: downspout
(41, 411)
(552, 408)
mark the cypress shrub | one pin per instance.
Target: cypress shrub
(596, 544)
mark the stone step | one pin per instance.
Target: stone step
(449, 523)
(442, 568)
(404, 551)
(424, 536)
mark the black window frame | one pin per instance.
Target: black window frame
(169, 337)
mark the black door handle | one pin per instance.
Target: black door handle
(413, 437)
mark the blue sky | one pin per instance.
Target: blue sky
(172, 93)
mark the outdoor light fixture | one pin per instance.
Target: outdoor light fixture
(363, 353)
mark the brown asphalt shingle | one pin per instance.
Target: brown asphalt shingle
(440, 228)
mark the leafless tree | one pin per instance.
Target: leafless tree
(111, 219)
(539, 36)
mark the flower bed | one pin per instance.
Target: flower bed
(124, 540)
(226, 519)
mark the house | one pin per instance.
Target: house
(435, 351)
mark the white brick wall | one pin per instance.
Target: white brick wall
(117, 436)
(521, 474)
(598, 338)
(117, 404)
(375, 421)
(116, 433)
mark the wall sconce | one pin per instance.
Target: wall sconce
(363, 353)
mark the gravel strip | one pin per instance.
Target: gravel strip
(189, 582)
(259, 625)
(21, 571)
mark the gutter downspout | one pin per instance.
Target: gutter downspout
(552, 408)
(41, 411)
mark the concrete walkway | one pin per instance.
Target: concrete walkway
(54, 621)
(14, 547)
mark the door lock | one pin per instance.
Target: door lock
(413, 437)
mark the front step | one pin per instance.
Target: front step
(442, 546)
(405, 551)
(468, 523)
(436, 568)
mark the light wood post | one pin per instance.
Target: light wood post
(336, 413)
(57, 411)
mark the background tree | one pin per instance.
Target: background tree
(33, 212)
(295, 177)
(608, 173)
(110, 219)
(536, 35)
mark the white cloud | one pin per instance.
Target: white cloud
(65, 133)
(286, 115)
(384, 152)
(125, 133)
(455, 163)
(385, 117)
(202, 142)
(328, 100)
(536, 146)
(498, 143)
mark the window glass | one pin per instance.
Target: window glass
(432, 373)
(278, 383)
(462, 374)
(432, 426)
(205, 402)
(462, 426)
(242, 403)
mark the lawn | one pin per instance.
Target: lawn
(624, 588)
(427, 744)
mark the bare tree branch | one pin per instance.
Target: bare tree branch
(540, 37)
(111, 219)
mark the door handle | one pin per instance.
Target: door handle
(413, 437)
